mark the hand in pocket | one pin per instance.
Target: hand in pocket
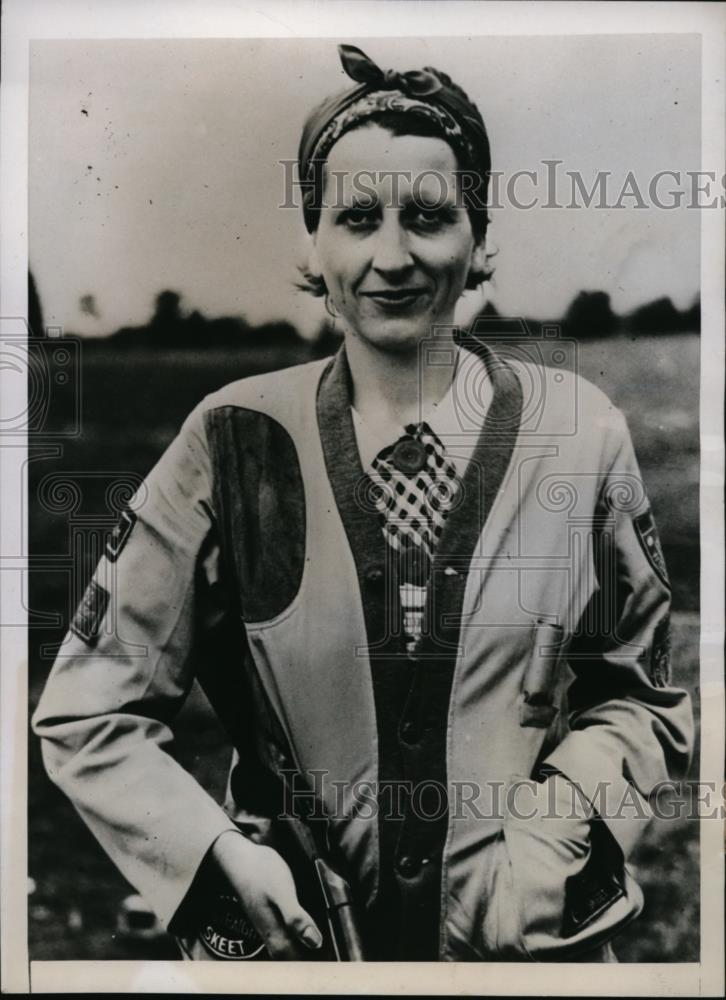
(547, 837)
(566, 892)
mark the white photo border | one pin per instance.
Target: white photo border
(35, 19)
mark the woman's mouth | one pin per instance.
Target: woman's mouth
(395, 299)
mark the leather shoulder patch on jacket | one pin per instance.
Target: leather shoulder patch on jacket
(91, 611)
(120, 535)
(647, 534)
(660, 654)
(260, 505)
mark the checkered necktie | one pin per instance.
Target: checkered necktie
(414, 487)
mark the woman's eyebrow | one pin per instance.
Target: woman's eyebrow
(362, 200)
(430, 201)
(357, 200)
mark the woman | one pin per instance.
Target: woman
(454, 624)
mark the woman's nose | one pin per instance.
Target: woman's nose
(391, 251)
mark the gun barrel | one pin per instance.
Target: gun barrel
(345, 934)
(341, 914)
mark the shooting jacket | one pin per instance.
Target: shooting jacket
(545, 643)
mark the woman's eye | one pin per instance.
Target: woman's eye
(358, 218)
(429, 218)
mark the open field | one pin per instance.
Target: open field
(132, 405)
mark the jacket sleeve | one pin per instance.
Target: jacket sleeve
(123, 671)
(629, 727)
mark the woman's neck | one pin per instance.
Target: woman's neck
(394, 387)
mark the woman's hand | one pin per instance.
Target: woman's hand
(263, 881)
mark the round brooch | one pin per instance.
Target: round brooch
(409, 456)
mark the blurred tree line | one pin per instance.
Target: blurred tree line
(589, 316)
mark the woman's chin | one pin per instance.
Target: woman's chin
(398, 337)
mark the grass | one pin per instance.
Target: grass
(132, 406)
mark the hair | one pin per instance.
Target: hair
(400, 124)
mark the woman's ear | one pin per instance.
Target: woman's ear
(310, 269)
(313, 256)
(480, 268)
(478, 261)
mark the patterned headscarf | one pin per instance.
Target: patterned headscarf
(426, 93)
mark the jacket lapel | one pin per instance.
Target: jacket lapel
(489, 460)
(356, 508)
(464, 525)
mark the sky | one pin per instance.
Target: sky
(155, 164)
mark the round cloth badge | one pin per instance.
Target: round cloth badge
(227, 932)
(409, 456)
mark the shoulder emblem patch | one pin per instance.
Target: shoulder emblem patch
(120, 535)
(91, 612)
(647, 534)
(660, 655)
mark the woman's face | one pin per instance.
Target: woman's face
(392, 244)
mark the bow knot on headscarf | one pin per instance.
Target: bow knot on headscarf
(362, 69)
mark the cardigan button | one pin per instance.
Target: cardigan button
(374, 576)
(408, 732)
(409, 865)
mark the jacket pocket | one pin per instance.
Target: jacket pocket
(501, 937)
(540, 684)
(568, 896)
